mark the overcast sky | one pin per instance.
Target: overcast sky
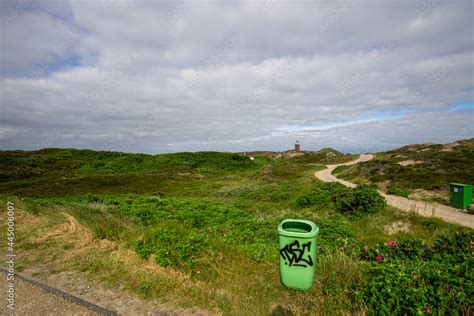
(167, 76)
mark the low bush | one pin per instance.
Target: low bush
(320, 195)
(411, 277)
(334, 232)
(315, 197)
(395, 190)
(362, 200)
(345, 172)
(177, 231)
(171, 247)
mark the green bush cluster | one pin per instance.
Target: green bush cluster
(345, 172)
(411, 277)
(16, 165)
(209, 160)
(320, 195)
(120, 163)
(362, 200)
(59, 172)
(171, 247)
(182, 233)
(395, 190)
(317, 197)
(334, 231)
(178, 232)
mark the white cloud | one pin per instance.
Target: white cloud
(158, 76)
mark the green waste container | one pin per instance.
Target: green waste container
(460, 195)
(298, 247)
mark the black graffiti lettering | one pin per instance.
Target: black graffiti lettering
(293, 254)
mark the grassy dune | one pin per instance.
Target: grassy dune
(425, 167)
(199, 230)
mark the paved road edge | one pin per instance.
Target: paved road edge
(68, 297)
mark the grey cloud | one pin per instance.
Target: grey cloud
(183, 87)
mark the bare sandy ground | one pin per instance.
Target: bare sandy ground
(115, 299)
(427, 209)
(31, 299)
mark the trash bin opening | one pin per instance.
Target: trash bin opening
(297, 227)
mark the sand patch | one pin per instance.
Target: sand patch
(449, 147)
(410, 162)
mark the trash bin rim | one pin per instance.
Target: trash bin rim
(314, 229)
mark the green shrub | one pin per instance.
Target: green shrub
(376, 178)
(320, 195)
(345, 172)
(144, 247)
(411, 278)
(334, 232)
(116, 163)
(177, 249)
(431, 223)
(364, 199)
(315, 197)
(395, 190)
(171, 247)
(177, 231)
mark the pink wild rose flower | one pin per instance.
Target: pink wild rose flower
(391, 243)
(378, 258)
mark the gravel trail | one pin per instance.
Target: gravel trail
(427, 209)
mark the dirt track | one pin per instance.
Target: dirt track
(32, 298)
(66, 293)
(78, 285)
(422, 208)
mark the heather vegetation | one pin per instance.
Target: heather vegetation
(416, 167)
(199, 230)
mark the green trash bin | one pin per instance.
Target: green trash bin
(298, 247)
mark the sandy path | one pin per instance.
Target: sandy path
(32, 298)
(427, 209)
(116, 299)
(326, 174)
